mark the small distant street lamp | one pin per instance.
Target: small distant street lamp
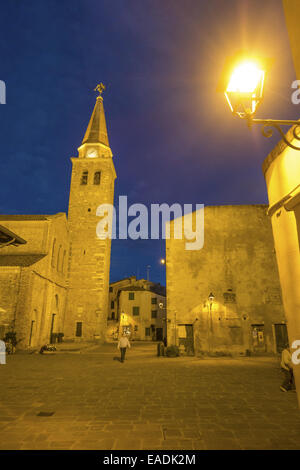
(211, 299)
(242, 82)
(162, 261)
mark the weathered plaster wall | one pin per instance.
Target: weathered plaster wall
(237, 264)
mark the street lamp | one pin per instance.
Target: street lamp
(211, 299)
(242, 82)
(148, 270)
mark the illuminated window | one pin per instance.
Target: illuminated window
(84, 177)
(97, 177)
(135, 310)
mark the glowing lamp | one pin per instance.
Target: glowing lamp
(244, 89)
(242, 82)
(211, 298)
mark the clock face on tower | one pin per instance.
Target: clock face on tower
(92, 153)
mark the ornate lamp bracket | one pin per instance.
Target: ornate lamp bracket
(268, 126)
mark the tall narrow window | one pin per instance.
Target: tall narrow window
(63, 262)
(97, 177)
(84, 177)
(58, 267)
(53, 253)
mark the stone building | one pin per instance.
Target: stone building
(58, 281)
(33, 278)
(226, 297)
(136, 307)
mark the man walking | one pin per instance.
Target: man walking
(122, 345)
(287, 369)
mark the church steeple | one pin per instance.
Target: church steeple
(92, 184)
(96, 132)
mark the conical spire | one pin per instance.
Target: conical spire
(96, 131)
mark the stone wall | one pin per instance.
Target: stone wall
(9, 290)
(35, 290)
(237, 264)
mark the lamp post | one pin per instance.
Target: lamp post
(242, 82)
(148, 270)
(211, 298)
(281, 170)
(164, 321)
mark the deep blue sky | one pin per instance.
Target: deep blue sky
(172, 135)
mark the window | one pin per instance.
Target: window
(84, 177)
(110, 289)
(112, 304)
(112, 315)
(58, 258)
(147, 331)
(79, 329)
(63, 262)
(229, 297)
(154, 314)
(131, 296)
(135, 310)
(53, 253)
(154, 300)
(97, 176)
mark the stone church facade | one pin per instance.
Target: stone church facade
(58, 282)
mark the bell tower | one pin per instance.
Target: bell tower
(92, 184)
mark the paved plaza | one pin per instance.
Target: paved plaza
(147, 402)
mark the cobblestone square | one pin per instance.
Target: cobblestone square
(147, 402)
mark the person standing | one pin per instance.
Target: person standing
(122, 345)
(287, 369)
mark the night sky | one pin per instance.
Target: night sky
(172, 135)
